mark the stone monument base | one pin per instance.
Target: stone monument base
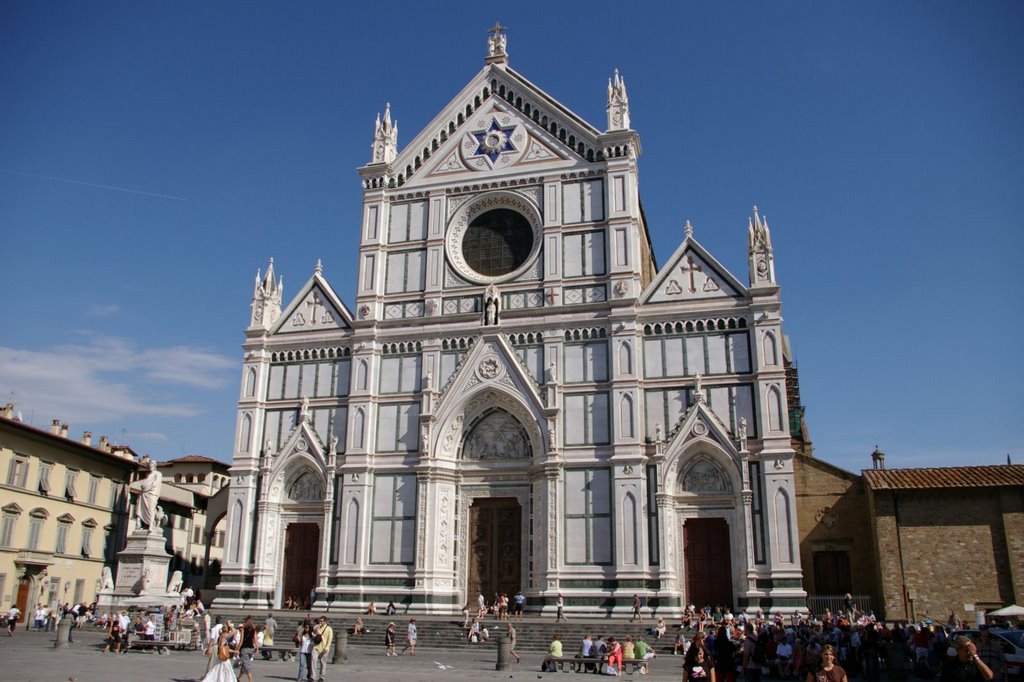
(141, 574)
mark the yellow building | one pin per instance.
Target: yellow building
(64, 512)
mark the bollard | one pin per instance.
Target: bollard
(504, 647)
(63, 633)
(340, 653)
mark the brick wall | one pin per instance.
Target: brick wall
(949, 548)
(832, 514)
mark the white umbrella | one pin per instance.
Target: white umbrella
(1011, 610)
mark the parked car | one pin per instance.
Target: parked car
(1013, 648)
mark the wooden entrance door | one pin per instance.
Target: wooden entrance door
(707, 553)
(301, 555)
(24, 586)
(495, 547)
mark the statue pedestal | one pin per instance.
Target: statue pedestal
(142, 573)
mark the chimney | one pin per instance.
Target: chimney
(64, 430)
(877, 459)
(55, 427)
(87, 438)
(8, 411)
(104, 444)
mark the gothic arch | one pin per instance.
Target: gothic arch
(495, 434)
(250, 382)
(625, 358)
(702, 473)
(770, 349)
(301, 474)
(246, 436)
(784, 537)
(453, 425)
(627, 420)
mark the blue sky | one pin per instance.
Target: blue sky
(153, 155)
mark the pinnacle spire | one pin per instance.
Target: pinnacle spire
(760, 258)
(618, 103)
(497, 43)
(385, 138)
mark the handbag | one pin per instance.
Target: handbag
(223, 652)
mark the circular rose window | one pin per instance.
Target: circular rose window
(495, 238)
(497, 242)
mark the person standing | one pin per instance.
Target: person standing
(247, 649)
(305, 638)
(323, 640)
(637, 604)
(560, 608)
(410, 638)
(753, 656)
(518, 601)
(269, 627)
(966, 666)
(827, 670)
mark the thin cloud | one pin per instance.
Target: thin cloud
(103, 310)
(114, 188)
(108, 379)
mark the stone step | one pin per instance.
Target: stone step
(532, 634)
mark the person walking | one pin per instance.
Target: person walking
(247, 648)
(323, 641)
(637, 604)
(560, 608)
(269, 627)
(410, 638)
(512, 642)
(12, 619)
(223, 671)
(389, 640)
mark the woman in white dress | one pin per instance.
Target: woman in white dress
(223, 671)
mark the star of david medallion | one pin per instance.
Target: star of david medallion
(492, 144)
(489, 368)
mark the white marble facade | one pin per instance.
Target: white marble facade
(511, 338)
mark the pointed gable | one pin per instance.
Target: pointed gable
(316, 308)
(499, 121)
(490, 377)
(692, 274)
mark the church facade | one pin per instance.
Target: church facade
(519, 398)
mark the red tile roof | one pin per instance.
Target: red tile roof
(199, 459)
(945, 477)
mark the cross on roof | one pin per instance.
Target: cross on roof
(497, 28)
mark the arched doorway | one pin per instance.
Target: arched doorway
(301, 554)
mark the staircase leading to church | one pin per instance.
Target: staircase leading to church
(445, 632)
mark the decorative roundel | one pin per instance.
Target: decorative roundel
(494, 238)
(700, 428)
(301, 444)
(490, 367)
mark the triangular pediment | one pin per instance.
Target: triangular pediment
(303, 439)
(490, 377)
(692, 274)
(500, 122)
(699, 422)
(316, 308)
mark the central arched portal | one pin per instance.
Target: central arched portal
(301, 552)
(495, 547)
(706, 547)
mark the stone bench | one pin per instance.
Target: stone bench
(286, 651)
(578, 664)
(162, 646)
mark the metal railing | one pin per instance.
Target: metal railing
(836, 603)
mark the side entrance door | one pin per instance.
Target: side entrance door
(301, 555)
(495, 548)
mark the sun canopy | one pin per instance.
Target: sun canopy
(1011, 610)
